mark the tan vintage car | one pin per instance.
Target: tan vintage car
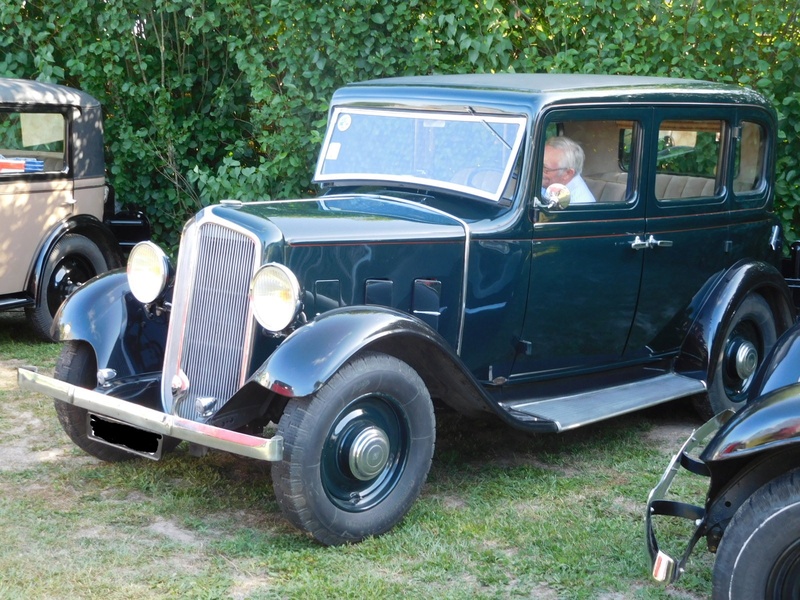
(58, 222)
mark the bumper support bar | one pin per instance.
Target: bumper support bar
(664, 567)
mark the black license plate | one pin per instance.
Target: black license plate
(124, 436)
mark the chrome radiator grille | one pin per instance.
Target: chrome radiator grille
(211, 323)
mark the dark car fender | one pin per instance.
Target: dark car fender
(83, 225)
(312, 354)
(125, 336)
(782, 366)
(757, 444)
(768, 423)
(705, 336)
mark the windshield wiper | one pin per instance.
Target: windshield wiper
(490, 128)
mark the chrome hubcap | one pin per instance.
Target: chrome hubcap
(746, 360)
(369, 453)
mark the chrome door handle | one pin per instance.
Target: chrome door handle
(652, 242)
(639, 244)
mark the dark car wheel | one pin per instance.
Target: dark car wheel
(77, 365)
(357, 452)
(759, 556)
(73, 261)
(748, 338)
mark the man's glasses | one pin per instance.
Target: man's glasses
(549, 170)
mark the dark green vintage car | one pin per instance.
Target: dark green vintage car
(549, 250)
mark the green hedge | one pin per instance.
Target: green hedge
(211, 99)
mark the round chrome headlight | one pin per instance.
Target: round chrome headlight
(275, 294)
(148, 270)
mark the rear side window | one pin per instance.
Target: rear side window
(31, 143)
(688, 159)
(748, 175)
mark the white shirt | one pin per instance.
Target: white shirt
(579, 192)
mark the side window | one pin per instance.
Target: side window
(688, 159)
(592, 158)
(31, 143)
(749, 160)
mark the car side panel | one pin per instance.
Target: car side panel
(29, 210)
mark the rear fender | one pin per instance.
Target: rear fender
(84, 225)
(312, 354)
(705, 338)
(125, 336)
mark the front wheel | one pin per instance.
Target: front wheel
(77, 365)
(759, 556)
(357, 452)
(748, 338)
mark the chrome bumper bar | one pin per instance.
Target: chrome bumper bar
(153, 420)
(665, 568)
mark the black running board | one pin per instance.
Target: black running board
(568, 412)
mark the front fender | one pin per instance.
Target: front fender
(705, 338)
(313, 353)
(124, 335)
(771, 422)
(781, 366)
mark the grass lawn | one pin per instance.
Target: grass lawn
(503, 515)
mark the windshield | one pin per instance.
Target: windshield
(467, 153)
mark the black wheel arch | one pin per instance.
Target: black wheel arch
(85, 225)
(309, 357)
(704, 340)
(734, 481)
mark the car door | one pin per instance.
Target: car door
(585, 272)
(36, 191)
(687, 243)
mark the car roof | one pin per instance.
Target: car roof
(563, 87)
(27, 92)
(539, 82)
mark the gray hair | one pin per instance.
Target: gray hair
(573, 153)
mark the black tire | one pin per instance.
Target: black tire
(357, 452)
(759, 556)
(748, 338)
(77, 365)
(73, 261)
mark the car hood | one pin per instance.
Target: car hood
(354, 219)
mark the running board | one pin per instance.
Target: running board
(569, 412)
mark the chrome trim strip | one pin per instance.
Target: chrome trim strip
(153, 420)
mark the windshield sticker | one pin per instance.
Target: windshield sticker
(343, 124)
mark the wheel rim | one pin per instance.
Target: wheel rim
(69, 274)
(784, 579)
(742, 356)
(365, 453)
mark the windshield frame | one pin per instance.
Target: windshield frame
(339, 115)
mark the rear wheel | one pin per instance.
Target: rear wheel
(73, 261)
(748, 338)
(357, 452)
(759, 556)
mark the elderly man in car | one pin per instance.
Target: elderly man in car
(563, 163)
